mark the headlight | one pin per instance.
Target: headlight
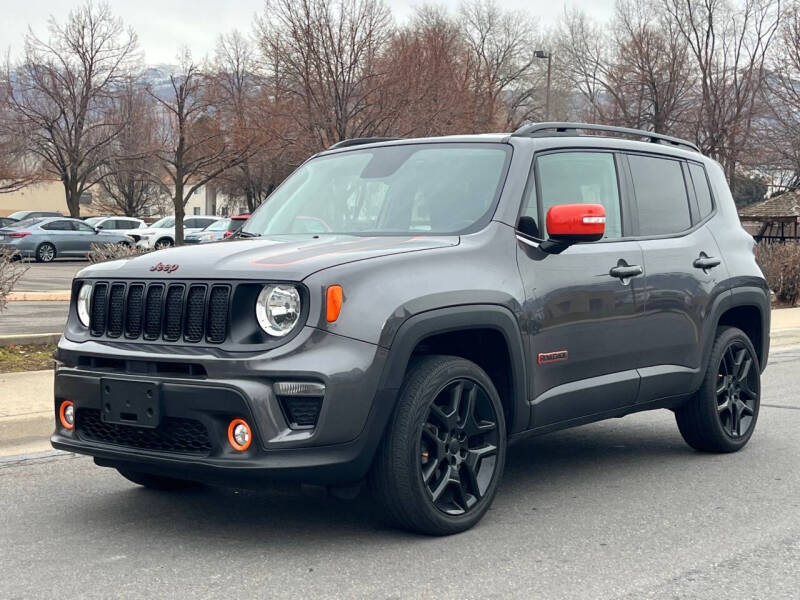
(278, 309)
(85, 303)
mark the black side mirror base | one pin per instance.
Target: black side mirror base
(552, 246)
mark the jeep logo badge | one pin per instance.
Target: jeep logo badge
(164, 268)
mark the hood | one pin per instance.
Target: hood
(291, 258)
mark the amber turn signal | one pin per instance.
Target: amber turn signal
(335, 297)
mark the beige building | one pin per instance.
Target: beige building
(49, 196)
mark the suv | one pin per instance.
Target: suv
(400, 311)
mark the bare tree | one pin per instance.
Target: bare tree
(247, 108)
(501, 46)
(128, 184)
(635, 72)
(428, 76)
(324, 54)
(729, 46)
(60, 94)
(194, 148)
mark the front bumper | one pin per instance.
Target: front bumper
(338, 449)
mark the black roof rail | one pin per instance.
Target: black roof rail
(571, 129)
(359, 141)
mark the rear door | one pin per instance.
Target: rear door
(61, 234)
(683, 268)
(582, 322)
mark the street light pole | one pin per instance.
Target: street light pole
(549, 56)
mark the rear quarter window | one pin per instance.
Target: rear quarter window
(661, 198)
(701, 189)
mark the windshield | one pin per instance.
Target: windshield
(164, 223)
(413, 188)
(221, 225)
(20, 214)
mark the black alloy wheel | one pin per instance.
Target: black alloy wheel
(441, 460)
(458, 446)
(737, 390)
(722, 414)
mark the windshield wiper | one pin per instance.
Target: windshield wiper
(247, 234)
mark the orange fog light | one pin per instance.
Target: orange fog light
(66, 414)
(334, 302)
(239, 435)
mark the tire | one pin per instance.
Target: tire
(722, 415)
(433, 435)
(163, 243)
(157, 482)
(45, 252)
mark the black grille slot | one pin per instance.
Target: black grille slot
(174, 313)
(185, 436)
(195, 313)
(135, 310)
(99, 294)
(301, 412)
(152, 312)
(218, 314)
(116, 306)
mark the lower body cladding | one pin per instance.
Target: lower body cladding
(128, 413)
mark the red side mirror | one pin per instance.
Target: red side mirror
(572, 223)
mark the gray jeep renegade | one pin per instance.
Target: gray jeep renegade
(399, 311)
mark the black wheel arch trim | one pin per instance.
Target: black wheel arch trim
(744, 296)
(461, 318)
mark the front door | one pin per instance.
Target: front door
(583, 307)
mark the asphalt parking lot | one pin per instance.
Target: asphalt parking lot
(51, 276)
(621, 509)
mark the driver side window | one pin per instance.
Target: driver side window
(576, 178)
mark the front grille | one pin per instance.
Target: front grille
(161, 311)
(184, 436)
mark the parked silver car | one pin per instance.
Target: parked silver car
(213, 233)
(49, 237)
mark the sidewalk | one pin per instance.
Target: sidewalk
(26, 399)
(26, 411)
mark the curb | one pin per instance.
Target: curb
(29, 338)
(25, 432)
(54, 296)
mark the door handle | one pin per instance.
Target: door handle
(626, 271)
(706, 262)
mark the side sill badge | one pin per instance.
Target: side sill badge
(551, 357)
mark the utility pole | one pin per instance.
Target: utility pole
(549, 56)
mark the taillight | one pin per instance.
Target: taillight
(20, 234)
(228, 234)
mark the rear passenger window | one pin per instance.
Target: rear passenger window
(701, 189)
(58, 226)
(660, 195)
(581, 178)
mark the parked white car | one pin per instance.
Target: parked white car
(161, 234)
(121, 224)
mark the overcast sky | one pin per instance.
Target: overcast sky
(165, 25)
